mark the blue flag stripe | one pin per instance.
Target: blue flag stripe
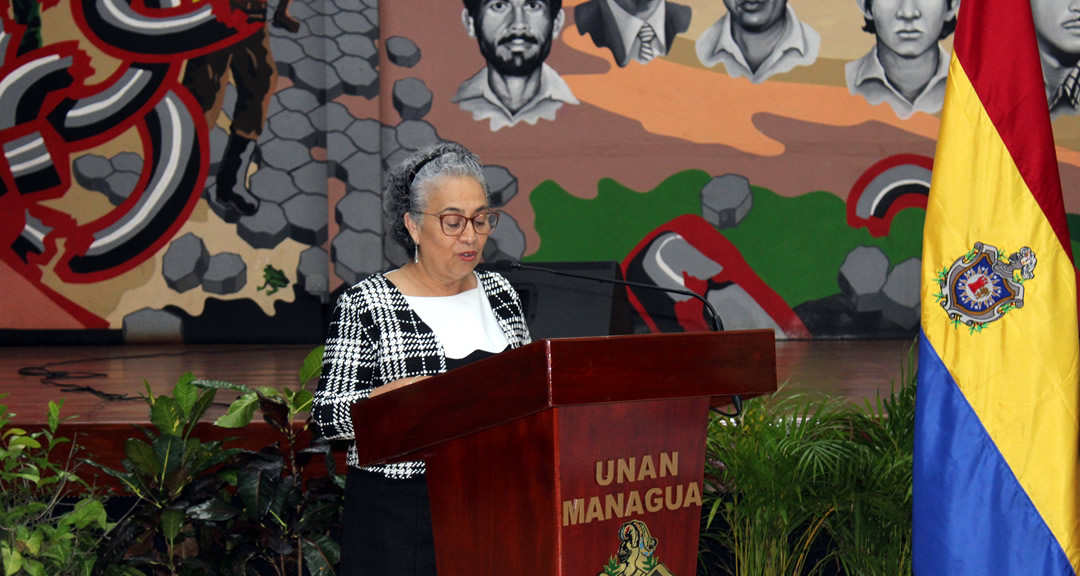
(970, 516)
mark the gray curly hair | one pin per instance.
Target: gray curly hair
(410, 184)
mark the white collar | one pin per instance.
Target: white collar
(870, 68)
(629, 25)
(792, 39)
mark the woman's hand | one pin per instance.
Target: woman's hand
(391, 386)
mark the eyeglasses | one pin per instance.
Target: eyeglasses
(454, 224)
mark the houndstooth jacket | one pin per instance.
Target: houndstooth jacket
(375, 337)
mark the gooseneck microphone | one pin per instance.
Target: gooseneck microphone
(718, 325)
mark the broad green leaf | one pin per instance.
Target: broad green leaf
(269, 392)
(202, 404)
(229, 476)
(26, 441)
(33, 543)
(321, 554)
(33, 567)
(240, 411)
(28, 472)
(167, 415)
(86, 512)
(14, 432)
(213, 510)
(282, 492)
(256, 484)
(55, 441)
(312, 366)
(185, 393)
(13, 560)
(54, 414)
(172, 521)
(221, 385)
(142, 456)
(301, 402)
(22, 475)
(17, 513)
(169, 450)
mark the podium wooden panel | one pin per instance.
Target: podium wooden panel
(538, 458)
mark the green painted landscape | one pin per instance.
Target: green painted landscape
(795, 244)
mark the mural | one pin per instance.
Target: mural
(758, 39)
(210, 170)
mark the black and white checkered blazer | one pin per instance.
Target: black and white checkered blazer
(375, 337)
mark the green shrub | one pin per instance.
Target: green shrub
(768, 475)
(284, 521)
(871, 526)
(40, 532)
(203, 508)
(170, 472)
(803, 484)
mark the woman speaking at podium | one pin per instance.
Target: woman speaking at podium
(389, 330)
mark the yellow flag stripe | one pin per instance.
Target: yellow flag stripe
(1020, 374)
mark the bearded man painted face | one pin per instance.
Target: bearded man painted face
(515, 38)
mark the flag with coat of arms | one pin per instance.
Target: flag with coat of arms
(996, 479)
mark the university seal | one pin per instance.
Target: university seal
(637, 553)
(981, 286)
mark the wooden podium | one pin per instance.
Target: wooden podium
(569, 457)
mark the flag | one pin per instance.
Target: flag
(996, 431)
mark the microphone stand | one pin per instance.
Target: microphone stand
(718, 325)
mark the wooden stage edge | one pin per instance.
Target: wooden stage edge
(853, 369)
(857, 370)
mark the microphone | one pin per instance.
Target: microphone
(503, 265)
(508, 265)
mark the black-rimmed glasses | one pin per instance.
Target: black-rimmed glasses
(454, 224)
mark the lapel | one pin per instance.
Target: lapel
(595, 19)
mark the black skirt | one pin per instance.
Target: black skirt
(387, 526)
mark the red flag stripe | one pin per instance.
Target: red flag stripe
(1002, 63)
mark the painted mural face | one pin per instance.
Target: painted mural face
(909, 27)
(1057, 24)
(515, 35)
(450, 258)
(756, 15)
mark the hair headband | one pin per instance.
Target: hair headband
(420, 166)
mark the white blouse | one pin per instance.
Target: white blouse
(463, 323)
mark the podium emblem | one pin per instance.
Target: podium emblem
(637, 553)
(982, 286)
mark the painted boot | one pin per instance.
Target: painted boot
(282, 18)
(231, 190)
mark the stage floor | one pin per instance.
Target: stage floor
(855, 370)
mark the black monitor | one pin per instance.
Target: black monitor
(561, 307)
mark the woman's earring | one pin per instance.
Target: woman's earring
(416, 254)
